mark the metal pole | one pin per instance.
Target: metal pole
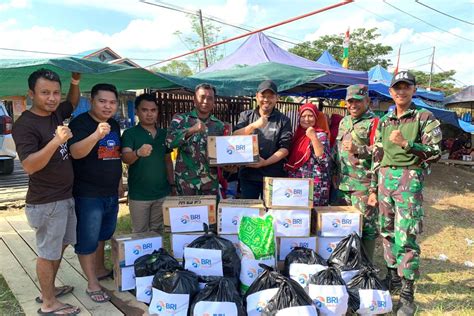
(203, 39)
(431, 71)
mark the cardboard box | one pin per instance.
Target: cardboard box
(230, 212)
(232, 150)
(127, 248)
(286, 244)
(182, 214)
(179, 242)
(124, 278)
(338, 221)
(288, 192)
(291, 223)
(326, 245)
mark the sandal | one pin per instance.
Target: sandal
(74, 310)
(101, 293)
(107, 276)
(61, 291)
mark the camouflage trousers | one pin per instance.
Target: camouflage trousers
(358, 199)
(401, 215)
(196, 186)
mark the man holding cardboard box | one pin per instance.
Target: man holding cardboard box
(188, 132)
(274, 138)
(407, 140)
(353, 157)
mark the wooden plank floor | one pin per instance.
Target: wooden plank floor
(18, 266)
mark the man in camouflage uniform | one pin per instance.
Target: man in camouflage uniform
(407, 140)
(353, 157)
(188, 132)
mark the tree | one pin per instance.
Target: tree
(364, 53)
(211, 35)
(175, 67)
(442, 81)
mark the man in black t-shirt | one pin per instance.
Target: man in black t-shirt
(41, 144)
(95, 147)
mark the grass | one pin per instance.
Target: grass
(8, 303)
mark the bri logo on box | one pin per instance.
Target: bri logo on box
(293, 193)
(292, 222)
(261, 305)
(303, 278)
(302, 244)
(321, 301)
(235, 220)
(162, 306)
(192, 218)
(345, 222)
(137, 249)
(377, 305)
(235, 149)
(148, 290)
(202, 263)
(253, 273)
(331, 247)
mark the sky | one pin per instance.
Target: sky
(145, 32)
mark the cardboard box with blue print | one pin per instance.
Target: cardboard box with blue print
(186, 214)
(325, 245)
(232, 150)
(124, 278)
(287, 244)
(291, 223)
(295, 193)
(338, 221)
(230, 212)
(180, 241)
(127, 248)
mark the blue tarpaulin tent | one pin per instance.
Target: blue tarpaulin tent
(258, 49)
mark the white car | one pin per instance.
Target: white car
(7, 146)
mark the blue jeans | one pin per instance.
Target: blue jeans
(96, 221)
(251, 189)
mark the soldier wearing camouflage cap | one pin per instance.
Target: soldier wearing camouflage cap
(188, 132)
(353, 159)
(407, 140)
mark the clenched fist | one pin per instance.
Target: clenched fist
(372, 201)
(62, 134)
(145, 150)
(397, 138)
(311, 133)
(102, 130)
(199, 127)
(349, 146)
(261, 122)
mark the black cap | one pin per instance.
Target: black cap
(267, 85)
(403, 76)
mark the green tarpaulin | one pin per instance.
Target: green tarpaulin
(14, 75)
(244, 81)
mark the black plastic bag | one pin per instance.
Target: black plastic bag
(176, 281)
(221, 290)
(290, 294)
(230, 259)
(150, 264)
(268, 279)
(366, 279)
(329, 276)
(350, 254)
(302, 255)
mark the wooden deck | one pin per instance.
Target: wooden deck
(18, 266)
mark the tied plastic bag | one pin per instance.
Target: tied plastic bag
(302, 263)
(146, 266)
(203, 261)
(290, 294)
(368, 294)
(262, 290)
(349, 257)
(177, 281)
(219, 297)
(328, 291)
(257, 244)
(150, 264)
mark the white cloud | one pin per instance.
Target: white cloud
(14, 4)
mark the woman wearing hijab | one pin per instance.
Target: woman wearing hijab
(310, 153)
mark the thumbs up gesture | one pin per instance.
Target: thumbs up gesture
(397, 138)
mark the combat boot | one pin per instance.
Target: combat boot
(406, 306)
(393, 281)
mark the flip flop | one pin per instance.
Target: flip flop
(76, 310)
(62, 290)
(102, 293)
(107, 276)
